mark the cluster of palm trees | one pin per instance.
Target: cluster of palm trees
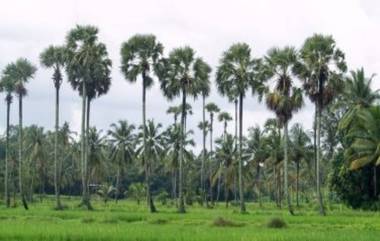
(282, 78)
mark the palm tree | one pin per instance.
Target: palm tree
(205, 92)
(139, 56)
(20, 71)
(54, 57)
(181, 74)
(284, 99)
(88, 69)
(175, 110)
(301, 150)
(224, 117)
(357, 94)
(7, 84)
(257, 147)
(320, 68)
(226, 153)
(122, 141)
(211, 108)
(235, 75)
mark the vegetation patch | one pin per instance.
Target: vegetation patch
(88, 220)
(222, 222)
(276, 223)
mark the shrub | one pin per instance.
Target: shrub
(88, 220)
(276, 223)
(221, 222)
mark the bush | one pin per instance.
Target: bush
(221, 222)
(276, 223)
(88, 220)
(162, 197)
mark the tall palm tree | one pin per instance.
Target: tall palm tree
(204, 86)
(320, 68)
(212, 109)
(54, 57)
(181, 74)
(123, 143)
(224, 117)
(285, 98)
(235, 75)
(21, 71)
(7, 84)
(139, 56)
(88, 69)
(301, 151)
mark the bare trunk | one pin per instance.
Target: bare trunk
(6, 178)
(211, 188)
(319, 193)
(151, 206)
(297, 182)
(203, 184)
(56, 175)
(181, 204)
(241, 191)
(286, 184)
(20, 156)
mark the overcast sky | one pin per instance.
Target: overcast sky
(210, 27)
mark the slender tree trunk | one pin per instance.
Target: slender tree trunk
(226, 191)
(117, 191)
(319, 193)
(236, 141)
(375, 181)
(84, 147)
(286, 184)
(211, 187)
(149, 197)
(181, 204)
(241, 191)
(257, 183)
(297, 183)
(203, 184)
(56, 184)
(315, 143)
(6, 178)
(20, 156)
(174, 184)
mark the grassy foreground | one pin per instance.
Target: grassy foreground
(128, 221)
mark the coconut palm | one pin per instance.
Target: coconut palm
(357, 94)
(320, 68)
(88, 69)
(226, 153)
(181, 74)
(139, 56)
(54, 57)
(301, 151)
(257, 148)
(284, 98)
(235, 75)
(7, 84)
(122, 141)
(21, 72)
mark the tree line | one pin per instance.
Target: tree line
(234, 166)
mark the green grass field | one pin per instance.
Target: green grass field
(128, 221)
